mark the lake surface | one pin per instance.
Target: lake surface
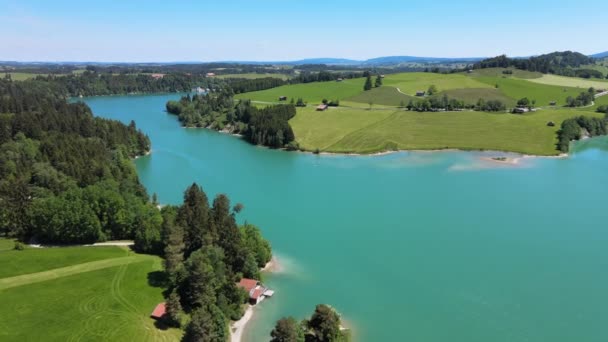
(408, 246)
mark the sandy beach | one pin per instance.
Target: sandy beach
(237, 328)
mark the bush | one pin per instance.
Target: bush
(19, 246)
(292, 146)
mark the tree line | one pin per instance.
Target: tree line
(92, 83)
(585, 98)
(241, 85)
(323, 325)
(560, 63)
(267, 126)
(445, 103)
(65, 175)
(575, 128)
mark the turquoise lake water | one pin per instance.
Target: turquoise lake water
(415, 246)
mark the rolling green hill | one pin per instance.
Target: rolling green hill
(355, 128)
(312, 93)
(410, 83)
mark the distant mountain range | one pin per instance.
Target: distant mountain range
(379, 61)
(600, 55)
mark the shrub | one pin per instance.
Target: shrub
(19, 246)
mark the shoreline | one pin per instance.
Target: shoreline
(237, 328)
(387, 152)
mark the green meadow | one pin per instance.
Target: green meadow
(312, 93)
(354, 128)
(542, 93)
(410, 83)
(499, 72)
(574, 82)
(80, 293)
(370, 131)
(19, 76)
(252, 76)
(386, 95)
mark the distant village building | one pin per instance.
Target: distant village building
(159, 311)
(157, 76)
(340, 79)
(552, 103)
(210, 74)
(282, 98)
(322, 107)
(381, 76)
(420, 93)
(551, 124)
(521, 110)
(200, 91)
(256, 290)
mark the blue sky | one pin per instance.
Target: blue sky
(202, 30)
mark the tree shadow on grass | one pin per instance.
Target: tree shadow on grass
(159, 324)
(158, 279)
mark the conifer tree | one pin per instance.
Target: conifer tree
(368, 83)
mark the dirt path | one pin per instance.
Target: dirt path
(6, 283)
(601, 94)
(399, 90)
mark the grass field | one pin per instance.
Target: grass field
(33, 260)
(108, 299)
(313, 93)
(573, 82)
(410, 83)
(498, 72)
(385, 95)
(320, 130)
(364, 131)
(6, 244)
(254, 76)
(473, 95)
(542, 93)
(19, 76)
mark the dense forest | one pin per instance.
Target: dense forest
(91, 83)
(560, 63)
(65, 175)
(260, 126)
(206, 254)
(576, 128)
(240, 85)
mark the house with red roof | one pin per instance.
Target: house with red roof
(159, 311)
(256, 290)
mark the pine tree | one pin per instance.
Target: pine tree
(229, 237)
(174, 251)
(378, 82)
(208, 324)
(174, 310)
(368, 83)
(193, 215)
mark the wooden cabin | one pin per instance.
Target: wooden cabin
(159, 311)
